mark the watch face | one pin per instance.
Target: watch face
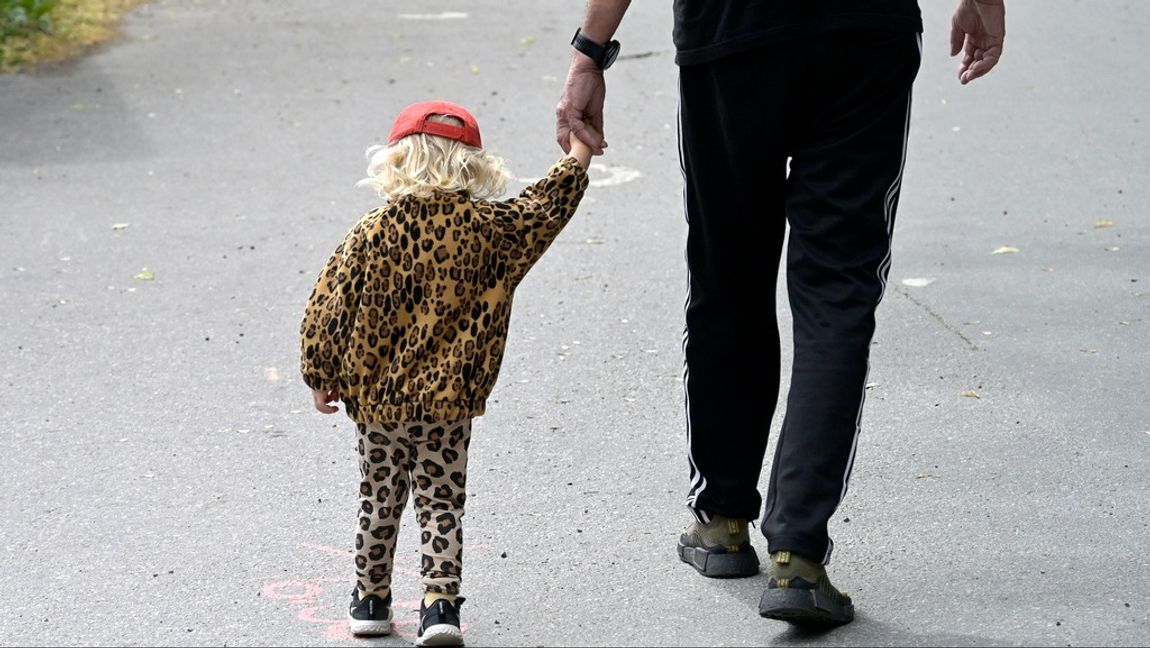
(612, 51)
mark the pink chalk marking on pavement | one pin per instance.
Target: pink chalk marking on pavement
(304, 593)
(338, 632)
(308, 614)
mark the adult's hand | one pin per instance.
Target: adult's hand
(977, 29)
(581, 106)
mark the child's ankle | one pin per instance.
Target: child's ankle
(431, 597)
(383, 594)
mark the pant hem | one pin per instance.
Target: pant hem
(817, 550)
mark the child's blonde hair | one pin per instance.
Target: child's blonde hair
(420, 164)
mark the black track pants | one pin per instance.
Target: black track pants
(837, 106)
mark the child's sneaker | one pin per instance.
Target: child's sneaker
(439, 623)
(800, 592)
(370, 615)
(719, 549)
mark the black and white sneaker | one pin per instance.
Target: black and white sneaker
(439, 624)
(369, 616)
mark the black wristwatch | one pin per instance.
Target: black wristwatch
(603, 55)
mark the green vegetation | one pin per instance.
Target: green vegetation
(25, 17)
(39, 31)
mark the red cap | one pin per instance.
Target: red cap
(413, 120)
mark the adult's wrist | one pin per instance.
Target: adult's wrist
(597, 33)
(603, 54)
(580, 62)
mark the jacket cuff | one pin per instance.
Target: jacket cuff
(318, 382)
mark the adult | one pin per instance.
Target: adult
(824, 86)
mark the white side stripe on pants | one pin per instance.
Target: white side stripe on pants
(698, 481)
(883, 273)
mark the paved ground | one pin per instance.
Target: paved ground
(166, 484)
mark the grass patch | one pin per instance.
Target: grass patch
(45, 31)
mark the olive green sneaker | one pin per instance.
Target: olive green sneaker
(800, 592)
(719, 549)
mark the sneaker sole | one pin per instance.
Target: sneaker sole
(369, 628)
(720, 565)
(804, 607)
(440, 635)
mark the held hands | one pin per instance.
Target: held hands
(322, 398)
(977, 29)
(580, 109)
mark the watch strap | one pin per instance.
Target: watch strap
(594, 51)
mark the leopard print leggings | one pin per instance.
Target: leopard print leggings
(393, 458)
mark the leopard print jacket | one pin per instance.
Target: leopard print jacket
(409, 317)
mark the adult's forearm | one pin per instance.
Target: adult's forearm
(602, 18)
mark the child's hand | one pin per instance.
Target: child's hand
(322, 398)
(580, 151)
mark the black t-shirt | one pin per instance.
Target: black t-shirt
(706, 30)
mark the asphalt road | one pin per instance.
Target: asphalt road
(166, 203)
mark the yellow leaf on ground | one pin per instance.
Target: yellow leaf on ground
(145, 275)
(1006, 249)
(970, 393)
(1103, 222)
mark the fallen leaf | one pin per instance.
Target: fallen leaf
(970, 393)
(116, 227)
(1006, 249)
(474, 69)
(527, 40)
(917, 282)
(145, 275)
(1103, 222)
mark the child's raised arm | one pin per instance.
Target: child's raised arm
(580, 151)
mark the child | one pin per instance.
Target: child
(407, 326)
